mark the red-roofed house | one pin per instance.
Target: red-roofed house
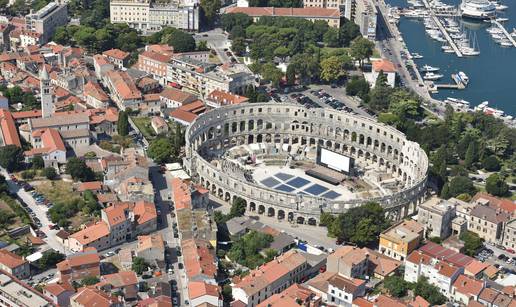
(95, 95)
(159, 124)
(101, 65)
(270, 278)
(79, 266)
(200, 293)
(154, 63)
(117, 57)
(199, 260)
(123, 89)
(88, 297)
(59, 293)
(125, 282)
(439, 272)
(182, 117)
(48, 144)
(14, 264)
(217, 99)
(9, 133)
(174, 98)
(466, 288)
(383, 66)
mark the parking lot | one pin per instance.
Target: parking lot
(505, 260)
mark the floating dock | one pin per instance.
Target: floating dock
(507, 34)
(442, 29)
(450, 86)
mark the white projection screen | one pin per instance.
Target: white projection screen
(335, 161)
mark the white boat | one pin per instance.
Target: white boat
(477, 9)
(497, 36)
(457, 101)
(501, 19)
(432, 76)
(513, 34)
(416, 55)
(505, 43)
(499, 6)
(470, 52)
(494, 30)
(461, 77)
(428, 68)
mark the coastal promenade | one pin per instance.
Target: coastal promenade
(390, 43)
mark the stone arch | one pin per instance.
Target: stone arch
(281, 214)
(300, 220)
(271, 211)
(252, 206)
(312, 221)
(261, 209)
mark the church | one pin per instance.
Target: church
(55, 133)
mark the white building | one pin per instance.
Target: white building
(149, 16)
(342, 291)
(439, 273)
(46, 20)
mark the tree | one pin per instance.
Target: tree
(361, 49)
(332, 69)
(139, 265)
(50, 173)
(271, 73)
(78, 169)
(181, 41)
(61, 36)
(50, 259)
(210, 10)
(227, 290)
(89, 281)
(361, 225)
(496, 185)
(429, 292)
(160, 150)
(123, 123)
(238, 46)
(291, 75)
(6, 218)
(326, 219)
(238, 207)
(459, 185)
(396, 286)
(331, 38)
(470, 155)
(379, 99)
(491, 163)
(472, 242)
(11, 157)
(348, 32)
(37, 162)
(357, 87)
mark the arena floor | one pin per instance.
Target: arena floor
(294, 180)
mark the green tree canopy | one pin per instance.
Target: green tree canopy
(210, 10)
(37, 162)
(332, 69)
(238, 207)
(78, 169)
(123, 123)
(460, 185)
(396, 286)
(496, 185)
(11, 158)
(429, 292)
(491, 163)
(139, 265)
(361, 49)
(50, 173)
(472, 242)
(160, 150)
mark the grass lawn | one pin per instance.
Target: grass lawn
(214, 59)
(144, 124)
(57, 191)
(16, 221)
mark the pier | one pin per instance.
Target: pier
(442, 29)
(507, 34)
(447, 86)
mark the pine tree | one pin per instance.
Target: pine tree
(470, 155)
(123, 123)
(445, 192)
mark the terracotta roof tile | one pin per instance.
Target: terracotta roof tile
(116, 53)
(11, 260)
(295, 12)
(198, 288)
(469, 286)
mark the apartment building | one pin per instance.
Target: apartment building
(488, 222)
(342, 291)
(440, 273)
(119, 222)
(366, 17)
(118, 57)
(89, 296)
(217, 99)
(401, 239)
(203, 78)
(14, 264)
(151, 248)
(270, 278)
(329, 15)
(13, 292)
(46, 20)
(59, 293)
(293, 296)
(204, 294)
(327, 4)
(466, 289)
(95, 96)
(436, 215)
(509, 235)
(150, 16)
(123, 90)
(79, 266)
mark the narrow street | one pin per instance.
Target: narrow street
(161, 183)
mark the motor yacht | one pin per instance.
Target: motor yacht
(477, 9)
(432, 76)
(428, 68)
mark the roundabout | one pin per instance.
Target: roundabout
(293, 163)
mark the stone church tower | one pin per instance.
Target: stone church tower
(47, 101)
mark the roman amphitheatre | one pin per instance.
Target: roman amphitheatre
(294, 163)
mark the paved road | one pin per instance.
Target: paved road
(39, 210)
(217, 40)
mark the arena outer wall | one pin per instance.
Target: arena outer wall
(364, 139)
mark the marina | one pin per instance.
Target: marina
(488, 62)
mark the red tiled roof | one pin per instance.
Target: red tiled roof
(116, 53)
(9, 131)
(467, 285)
(183, 115)
(163, 58)
(91, 233)
(224, 98)
(11, 260)
(92, 185)
(94, 90)
(198, 288)
(26, 114)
